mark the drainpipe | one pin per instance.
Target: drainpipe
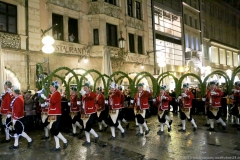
(27, 45)
(154, 37)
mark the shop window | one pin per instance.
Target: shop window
(57, 30)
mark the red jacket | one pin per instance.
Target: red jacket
(89, 103)
(18, 108)
(73, 106)
(164, 103)
(237, 97)
(216, 99)
(144, 95)
(115, 100)
(187, 101)
(5, 106)
(100, 102)
(55, 104)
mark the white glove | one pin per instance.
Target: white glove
(204, 99)
(213, 93)
(14, 121)
(231, 96)
(9, 115)
(106, 101)
(147, 88)
(42, 104)
(46, 104)
(154, 100)
(164, 97)
(82, 92)
(43, 96)
(184, 95)
(78, 102)
(179, 97)
(131, 101)
(69, 103)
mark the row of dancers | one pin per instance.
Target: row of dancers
(109, 111)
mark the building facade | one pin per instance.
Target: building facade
(86, 31)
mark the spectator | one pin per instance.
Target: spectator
(29, 111)
(71, 38)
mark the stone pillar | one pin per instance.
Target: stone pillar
(65, 28)
(102, 31)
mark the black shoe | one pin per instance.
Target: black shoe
(105, 129)
(194, 129)
(180, 125)
(65, 145)
(14, 147)
(44, 138)
(218, 124)
(160, 132)
(136, 125)
(170, 122)
(111, 138)
(5, 141)
(30, 143)
(147, 131)
(100, 130)
(86, 143)
(169, 129)
(96, 139)
(139, 134)
(235, 125)
(206, 125)
(127, 126)
(210, 129)
(55, 149)
(123, 134)
(182, 130)
(224, 127)
(73, 134)
(238, 128)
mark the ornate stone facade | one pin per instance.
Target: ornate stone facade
(10, 40)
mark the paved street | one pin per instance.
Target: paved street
(169, 146)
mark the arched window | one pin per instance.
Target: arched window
(12, 77)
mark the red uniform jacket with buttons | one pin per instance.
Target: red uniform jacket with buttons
(237, 97)
(18, 108)
(5, 105)
(73, 103)
(144, 95)
(100, 102)
(45, 109)
(216, 99)
(55, 104)
(163, 103)
(187, 101)
(89, 103)
(115, 100)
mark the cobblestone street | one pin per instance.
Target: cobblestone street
(201, 144)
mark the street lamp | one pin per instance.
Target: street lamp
(121, 41)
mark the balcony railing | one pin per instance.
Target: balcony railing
(8, 40)
(73, 5)
(100, 7)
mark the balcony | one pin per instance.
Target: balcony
(70, 4)
(100, 7)
(135, 23)
(8, 40)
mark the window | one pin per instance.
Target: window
(57, 30)
(140, 45)
(129, 5)
(214, 55)
(222, 56)
(190, 21)
(211, 9)
(131, 43)
(229, 58)
(8, 17)
(72, 30)
(235, 59)
(203, 6)
(138, 10)
(113, 2)
(212, 31)
(185, 18)
(95, 37)
(111, 35)
(196, 23)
